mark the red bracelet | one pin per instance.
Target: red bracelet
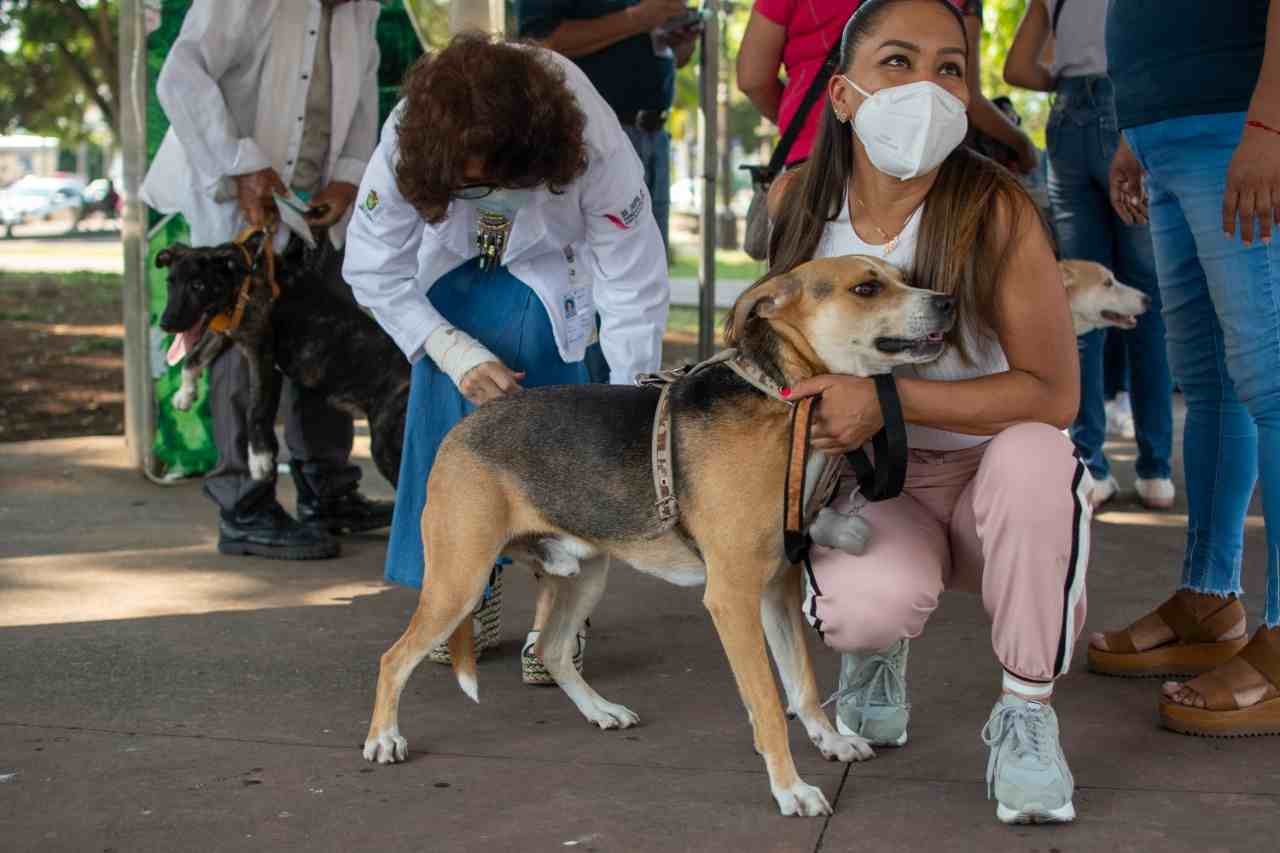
(1260, 126)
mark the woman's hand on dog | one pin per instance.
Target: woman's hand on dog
(253, 191)
(331, 204)
(489, 381)
(847, 414)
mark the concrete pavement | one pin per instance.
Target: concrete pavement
(157, 696)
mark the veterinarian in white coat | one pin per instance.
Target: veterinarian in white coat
(551, 186)
(263, 96)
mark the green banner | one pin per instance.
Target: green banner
(183, 441)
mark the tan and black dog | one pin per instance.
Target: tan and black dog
(512, 474)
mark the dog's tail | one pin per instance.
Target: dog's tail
(462, 652)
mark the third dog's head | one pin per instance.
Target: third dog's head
(851, 314)
(202, 282)
(1097, 300)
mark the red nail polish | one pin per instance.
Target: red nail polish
(786, 392)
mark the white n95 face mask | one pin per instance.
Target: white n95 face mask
(909, 130)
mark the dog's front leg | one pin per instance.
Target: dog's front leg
(264, 400)
(735, 584)
(211, 346)
(780, 609)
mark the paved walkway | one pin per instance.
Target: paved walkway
(157, 696)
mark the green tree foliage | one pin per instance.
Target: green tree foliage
(999, 24)
(57, 57)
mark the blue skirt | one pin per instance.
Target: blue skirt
(505, 315)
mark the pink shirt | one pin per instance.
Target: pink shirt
(812, 26)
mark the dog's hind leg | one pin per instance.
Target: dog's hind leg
(735, 586)
(463, 538)
(784, 628)
(575, 598)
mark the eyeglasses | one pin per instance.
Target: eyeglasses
(475, 192)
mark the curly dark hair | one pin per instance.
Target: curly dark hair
(505, 105)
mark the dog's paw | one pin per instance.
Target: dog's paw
(184, 398)
(837, 747)
(607, 715)
(262, 464)
(386, 748)
(802, 799)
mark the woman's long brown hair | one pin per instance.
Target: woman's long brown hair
(962, 247)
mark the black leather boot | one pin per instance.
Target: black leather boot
(335, 504)
(266, 530)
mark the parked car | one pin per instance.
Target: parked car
(37, 199)
(101, 197)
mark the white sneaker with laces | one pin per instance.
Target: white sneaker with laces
(1156, 493)
(1026, 771)
(871, 701)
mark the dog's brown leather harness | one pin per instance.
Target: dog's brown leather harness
(229, 320)
(795, 517)
(876, 483)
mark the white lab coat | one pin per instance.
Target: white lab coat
(234, 88)
(595, 247)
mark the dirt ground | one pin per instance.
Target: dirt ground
(62, 347)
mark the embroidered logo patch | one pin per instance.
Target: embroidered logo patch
(627, 217)
(370, 201)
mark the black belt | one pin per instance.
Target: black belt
(649, 120)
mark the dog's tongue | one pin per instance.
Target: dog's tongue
(182, 344)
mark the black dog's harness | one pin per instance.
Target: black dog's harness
(877, 482)
(229, 320)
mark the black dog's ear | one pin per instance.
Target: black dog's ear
(167, 256)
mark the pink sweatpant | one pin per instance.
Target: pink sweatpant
(1009, 519)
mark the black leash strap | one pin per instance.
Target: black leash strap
(885, 479)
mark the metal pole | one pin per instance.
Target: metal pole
(710, 72)
(139, 393)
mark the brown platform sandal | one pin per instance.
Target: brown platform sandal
(1224, 717)
(1196, 648)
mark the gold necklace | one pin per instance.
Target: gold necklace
(890, 243)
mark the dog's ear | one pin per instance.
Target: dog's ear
(763, 300)
(168, 255)
(1068, 274)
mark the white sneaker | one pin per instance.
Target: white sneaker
(871, 701)
(1026, 771)
(1157, 493)
(1120, 416)
(1103, 491)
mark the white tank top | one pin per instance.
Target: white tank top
(839, 238)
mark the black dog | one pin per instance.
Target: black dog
(317, 338)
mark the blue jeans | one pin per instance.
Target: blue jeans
(1082, 139)
(654, 148)
(1222, 309)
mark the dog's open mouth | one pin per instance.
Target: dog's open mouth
(183, 342)
(930, 344)
(1123, 321)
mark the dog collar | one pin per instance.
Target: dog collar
(229, 320)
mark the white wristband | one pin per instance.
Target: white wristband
(455, 352)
